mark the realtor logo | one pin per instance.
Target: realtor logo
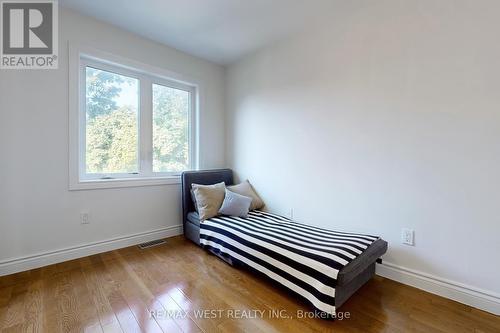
(28, 34)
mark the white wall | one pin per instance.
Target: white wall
(385, 117)
(37, 212)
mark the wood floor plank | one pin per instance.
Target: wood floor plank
(143, 276)
(96, 280)
(171, 287)
(5, 295)
(173, 309)
(133, 292)
(67, 303)
(117, 302)
(93, 328)
(125, 317)
(33, 307)
(13, 313)
(13, 329)
(52, 321)
(87, 310)
(151, 269)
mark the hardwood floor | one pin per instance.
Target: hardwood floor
(117, 292)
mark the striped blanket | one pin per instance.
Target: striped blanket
(303, 258)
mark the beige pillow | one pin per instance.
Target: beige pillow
(209, 199)
(247, 190)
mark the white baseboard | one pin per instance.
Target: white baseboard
(48, 258)
(475, 297)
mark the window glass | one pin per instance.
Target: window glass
(111, 131)
(170, 129)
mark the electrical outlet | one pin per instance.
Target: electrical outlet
(408, 236)
(84, 218)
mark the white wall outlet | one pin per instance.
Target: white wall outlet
(84, 218)
(408, 236)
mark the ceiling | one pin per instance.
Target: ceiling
(221, 31)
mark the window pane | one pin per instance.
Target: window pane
(111, 122)
(170, 129)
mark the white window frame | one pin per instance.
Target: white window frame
(80, 58)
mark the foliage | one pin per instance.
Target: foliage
(112, 130)
(102, 89)
(112, 142)
(170, 129)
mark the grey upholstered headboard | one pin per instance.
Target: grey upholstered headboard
(205, 177)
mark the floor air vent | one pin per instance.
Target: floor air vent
(147, 245)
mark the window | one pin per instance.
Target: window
(111, 123)
(170, 129)
(133, 125)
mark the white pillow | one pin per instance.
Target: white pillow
(235, 204)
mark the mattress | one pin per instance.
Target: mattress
(302, 258)
(351, 270)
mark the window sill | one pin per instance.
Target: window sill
(94, 184)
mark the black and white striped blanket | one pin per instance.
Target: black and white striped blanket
(303, 258)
